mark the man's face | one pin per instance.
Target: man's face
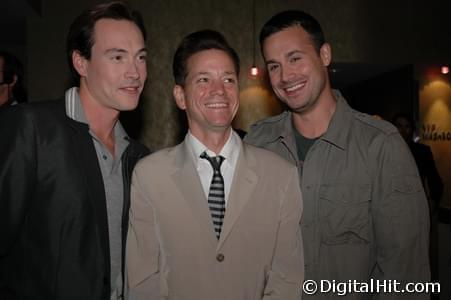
(210, 94)
(114, 76)
(297, 72)
(4, 94)
(404, 128)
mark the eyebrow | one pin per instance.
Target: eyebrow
(120, 50)
(272, 61)
(207, 72)
(293, 52)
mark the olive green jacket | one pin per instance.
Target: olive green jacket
(365, 211)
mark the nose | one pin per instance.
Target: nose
(217, 88)
(285, 73)
(132, 71)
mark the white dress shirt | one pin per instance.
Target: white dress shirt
(230, 152)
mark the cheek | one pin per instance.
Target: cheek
(103, 75)
(143, 71)
(233, 95)
(200, 93)
(273, 79)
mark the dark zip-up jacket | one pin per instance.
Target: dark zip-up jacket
(53, 219)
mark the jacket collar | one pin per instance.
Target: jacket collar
(337, 131)
(340, 124)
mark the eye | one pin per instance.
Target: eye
(202, 79)
(117, 58)
(294, 59)
(272, 67)
(229, 80)
(142, 57)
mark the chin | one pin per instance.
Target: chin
(129, 105)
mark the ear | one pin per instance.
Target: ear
(13, 83)
(325, 52)
(179, 96)
(79, 62)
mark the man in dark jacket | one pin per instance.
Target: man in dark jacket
(65, 168)
(424, 159)
(12, 89)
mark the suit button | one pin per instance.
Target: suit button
(220, 257)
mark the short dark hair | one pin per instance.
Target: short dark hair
(196, 42)
(81, 32)
(289, 18)
(401, 115)
(13, 67)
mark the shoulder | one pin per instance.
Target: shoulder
(269, 122)
(373, 124)
(53, 107)
(28, 114)
(422, 146)
(158, 160)
(372, 132)
(267, 159)
(378, 136)
(138, 148)
(420, 149)
(267, 129)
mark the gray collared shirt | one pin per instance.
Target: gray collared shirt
(111, 169)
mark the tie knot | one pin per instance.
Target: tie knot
(215, 161)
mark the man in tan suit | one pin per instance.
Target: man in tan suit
(213, 218)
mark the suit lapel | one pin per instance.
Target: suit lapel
(244, 182)
(87, 160)
(187, 181)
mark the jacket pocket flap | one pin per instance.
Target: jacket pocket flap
(346, 193)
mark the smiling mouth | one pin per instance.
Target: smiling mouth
(294, 88)
(131, 89)
(216, 105)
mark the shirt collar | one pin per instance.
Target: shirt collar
(74, 110)
(340, 124)
(336, 132)
(230, 151)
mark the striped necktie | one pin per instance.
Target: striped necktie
(216, 196)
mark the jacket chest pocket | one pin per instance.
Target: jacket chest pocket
(344, 212)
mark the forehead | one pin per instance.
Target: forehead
(287, 40)
(112, 33)
(210, 60)
(402, 121)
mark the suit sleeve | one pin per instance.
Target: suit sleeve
(17, 179)
(433, 180)
(284, 280)
(17, 173)
(401, 218)
(142, 249)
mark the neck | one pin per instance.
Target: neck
(214, 141)
(314, 122)
(101, 119)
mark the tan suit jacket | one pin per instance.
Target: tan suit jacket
(172, 250)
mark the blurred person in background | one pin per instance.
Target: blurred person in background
(12, 88)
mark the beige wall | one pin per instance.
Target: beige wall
(435, 122)
(167, 21)
(359, 31)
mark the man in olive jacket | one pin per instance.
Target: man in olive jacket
(65, 169)
(365, 212)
